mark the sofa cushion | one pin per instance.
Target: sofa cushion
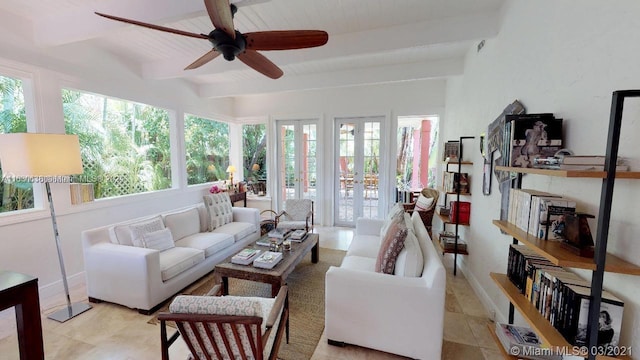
(208, 242)
(354, 262)
(364, 245)
(391, 246)
(183, 223)
(301, 224)
(137, 230)
(219, 209)
(238, 229)
(423, 203)
(410, 261)
(158, 240)
(178, 259)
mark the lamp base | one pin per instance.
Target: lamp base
(69, 312)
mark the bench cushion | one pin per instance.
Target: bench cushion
(183, 223)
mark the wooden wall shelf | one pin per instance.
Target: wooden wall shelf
(571, 173)
(558, 255)
(445, 220)
(436, 241)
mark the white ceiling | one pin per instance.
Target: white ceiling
(370, 41)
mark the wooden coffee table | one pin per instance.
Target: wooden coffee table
(276, 276)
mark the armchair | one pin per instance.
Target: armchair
(297, 214)
(425, 214)
(227, 327)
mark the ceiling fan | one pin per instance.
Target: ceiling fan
(231, 43)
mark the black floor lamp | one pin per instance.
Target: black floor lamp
(29, 157)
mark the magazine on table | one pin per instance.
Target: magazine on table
(298, 235)
(267, 259)
(278, 233)
(266, 241)
(245, 257)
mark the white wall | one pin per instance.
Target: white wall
(425, 97)
(564, 57)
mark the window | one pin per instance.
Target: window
(124, 145)
(207, 149)
(13, 195)
(254, 152)
(417, 136)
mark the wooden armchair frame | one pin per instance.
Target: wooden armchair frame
(308, 217)
(247, 325)
(425, 215)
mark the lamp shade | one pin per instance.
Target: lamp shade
(29, 154)
(255, 167)
(231, 169)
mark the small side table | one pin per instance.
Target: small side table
(21, 291)
(239, 196)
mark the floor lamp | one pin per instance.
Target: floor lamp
(44, 158)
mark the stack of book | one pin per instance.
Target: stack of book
(452, 181)
(578, 163)
(298, 235)
(539, 213)
(279, 233)
(245, 257)
(267, 260)
(562, 297)
(525, 340)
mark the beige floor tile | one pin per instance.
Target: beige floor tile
(456, 351)
(456, 329)
(480, 332)
(492, 354)
(451, 302)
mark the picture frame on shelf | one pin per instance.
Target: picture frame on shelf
(451, 151)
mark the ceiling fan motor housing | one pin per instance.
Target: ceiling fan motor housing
(227, 46)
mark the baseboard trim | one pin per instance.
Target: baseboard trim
(484, 298)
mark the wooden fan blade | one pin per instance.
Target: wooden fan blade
(220, 14)
(285, 40)
(260, 63)
(203, 59)
(155, 27)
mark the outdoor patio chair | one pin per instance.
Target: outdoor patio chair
(227, 327)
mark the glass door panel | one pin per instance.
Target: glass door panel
(357, 169)
(297, 148)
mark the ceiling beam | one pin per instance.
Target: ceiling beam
(441, 31)
(57, 30)
(356, 77)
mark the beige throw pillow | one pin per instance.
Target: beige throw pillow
(423, 203)
(219, 209)
(137, 230)
(158, 240)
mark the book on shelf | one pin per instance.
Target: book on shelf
(245, 256)
(532, 136)
(452, 181)
(587, 160)
(267, 260)
(610, 319)
(589, 167)
(551, 213)
(524, 339)
(279, 233)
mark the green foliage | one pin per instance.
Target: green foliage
(125, 146)
(13, 119)
(207, 149)
(254, 139)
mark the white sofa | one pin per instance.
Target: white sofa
(397, 313)
(142, 278)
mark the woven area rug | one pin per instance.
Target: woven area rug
(306, 301)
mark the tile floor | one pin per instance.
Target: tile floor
(114, 332)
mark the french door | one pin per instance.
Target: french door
(356, 169)
(297, 159)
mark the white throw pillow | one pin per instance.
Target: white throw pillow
(219, 209)
(423, 203)
(137, 230)
(395, 210)
(410, 261)
(158, 240)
